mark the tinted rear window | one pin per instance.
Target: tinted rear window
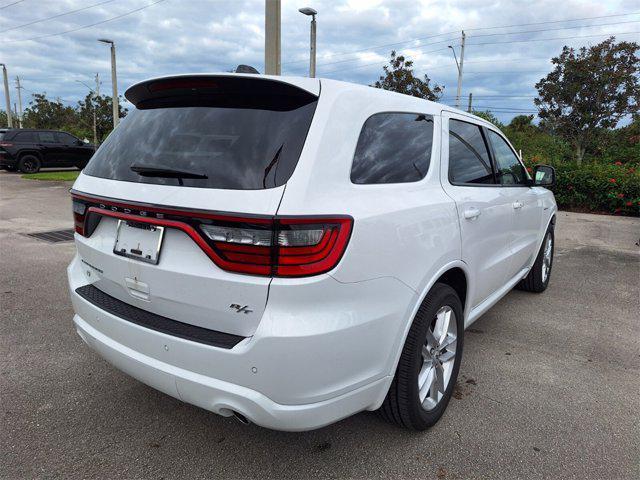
(393, 148)
(238, 144)
(25, 137)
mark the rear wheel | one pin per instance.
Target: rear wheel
(537, 280)
(429, 363)
(29, 164)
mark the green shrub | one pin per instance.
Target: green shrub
(597, 187)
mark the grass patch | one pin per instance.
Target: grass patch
(53, 176)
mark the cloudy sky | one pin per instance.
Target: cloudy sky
(51, 44)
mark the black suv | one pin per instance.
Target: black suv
(28, 150)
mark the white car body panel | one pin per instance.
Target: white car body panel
(320, 348)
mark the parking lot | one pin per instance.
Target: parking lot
(549, 384)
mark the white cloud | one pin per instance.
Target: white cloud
(354, 40)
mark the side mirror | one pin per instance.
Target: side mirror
(544, 176)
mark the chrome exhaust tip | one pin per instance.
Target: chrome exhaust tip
(241, 418)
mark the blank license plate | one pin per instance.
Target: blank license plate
(140, 241)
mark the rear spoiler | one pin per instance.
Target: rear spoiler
(250, 91)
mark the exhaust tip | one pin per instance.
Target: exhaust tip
(241, 418)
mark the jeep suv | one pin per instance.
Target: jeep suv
(291, 251)
(28, 150)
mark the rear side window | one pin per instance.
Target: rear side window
(47, 137)
(393, 148)
(469, 161)
(248, 140)
(25, 137)
(510, 170)
(66, 138)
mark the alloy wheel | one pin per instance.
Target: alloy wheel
(438, 357)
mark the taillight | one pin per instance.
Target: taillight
(269, 246)
(79, 212)
(6, 144)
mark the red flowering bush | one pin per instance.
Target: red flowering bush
(597, 187)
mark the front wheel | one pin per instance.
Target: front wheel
(537, 280)
(429, 363)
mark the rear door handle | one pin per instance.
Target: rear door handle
(518, 204)
(471, 213)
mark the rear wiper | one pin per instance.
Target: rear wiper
(162, 172)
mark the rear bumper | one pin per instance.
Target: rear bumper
(7, 161)
(307, 365)
(222, 397)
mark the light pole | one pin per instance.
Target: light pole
(6, 95)
(459, 65)
(114, 82)
(312, 49)
(93, 101)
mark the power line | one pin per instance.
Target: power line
(478, 29)
(356, 59)
(87, 26)
(553, 21)
(9, 4)
(556, 38)
(56, 16)
(552, 29)
(376, 63)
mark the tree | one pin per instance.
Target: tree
(588, 91)
(398, 77)
(48, 114)
(489, 117)
(521, 123)
(104, 115)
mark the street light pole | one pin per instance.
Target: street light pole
(272, 31)
(6, 96)
(312, 43)
(114, 82)
(459, 65)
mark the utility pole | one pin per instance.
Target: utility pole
(470, 99)
(95, 108)
(460, 71)
(7, 98)
(272, 28)
(114, 82)
(18, 87)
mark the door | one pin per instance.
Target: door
(484, 212)
(525, 202)
(73, 149)
(51, 149)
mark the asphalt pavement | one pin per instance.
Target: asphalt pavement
(549, 385)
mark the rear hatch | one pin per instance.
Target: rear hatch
(174, 212)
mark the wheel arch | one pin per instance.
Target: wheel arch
(35, 153)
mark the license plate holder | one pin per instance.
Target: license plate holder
(138, 240)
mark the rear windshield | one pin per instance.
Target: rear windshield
(227, 144)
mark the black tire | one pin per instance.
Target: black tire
(536, 281)
(29, 164)
(402, 405)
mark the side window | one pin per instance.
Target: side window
(47, 137)
(393, 148)
(66, 138)
(469, 161)
(510, 170)
(25, 137)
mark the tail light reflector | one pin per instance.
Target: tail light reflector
(269, 246)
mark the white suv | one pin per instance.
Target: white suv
(292, 251)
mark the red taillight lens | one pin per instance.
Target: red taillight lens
(79, 213)
(269, 246)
